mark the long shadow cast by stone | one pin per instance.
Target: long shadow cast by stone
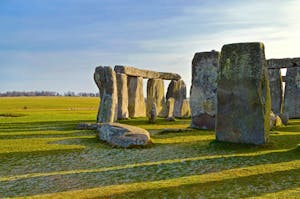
(142, 173)
(48, 134)
(41, 126)
(239, 187)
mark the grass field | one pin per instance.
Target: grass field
(42, 155)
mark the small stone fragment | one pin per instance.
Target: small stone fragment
(153, 114)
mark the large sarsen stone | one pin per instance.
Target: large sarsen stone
(276, 90)
(132, 71)
(203, 94)
(243, 94)
(105, 79)
(122, 96)
(177, 90)
(292, 93)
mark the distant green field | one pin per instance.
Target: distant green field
(42, 155)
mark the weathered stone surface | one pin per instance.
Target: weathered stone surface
(122, 96)
(153, 113)
(203, 94)
(292, 93)
(185, 110)
(105, 79)
(170, 108)
(122, 135)
(243, 94)
(284, 118)
(177, 90)
(131, 71)
(155, 94)
(276, 90)
(283, 63)
(136, 101)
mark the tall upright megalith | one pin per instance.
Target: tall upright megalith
(292, 92)
(243, 94)
(276, 90)
(156, 94)
(177, 90)
(122, 96)
(105, 79)
(136, 101)
(203, 93)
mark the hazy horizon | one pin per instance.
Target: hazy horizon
(55, 45)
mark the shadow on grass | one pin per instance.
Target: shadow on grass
(239, 187)
(47, 135)
(41, 126)
(161, 171)
(30, 154)
(160, 121)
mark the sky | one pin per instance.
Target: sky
(55, 45)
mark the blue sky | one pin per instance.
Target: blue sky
(56, 44)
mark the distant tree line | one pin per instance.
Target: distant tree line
(46, 93)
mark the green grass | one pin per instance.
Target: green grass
(42, 155)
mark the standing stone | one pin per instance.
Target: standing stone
(243, 94)
(203, 97)
(153, 113)
(292, 92)
(177, 90)
(105, 79)
(155, 94)
(170, 108)
(122, 96)
(136, 101)
(185, 109)
(276, 90)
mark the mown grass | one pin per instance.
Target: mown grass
(42, 155)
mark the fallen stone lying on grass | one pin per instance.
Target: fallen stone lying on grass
(122, 135)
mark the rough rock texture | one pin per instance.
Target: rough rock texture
(122, 135)
(243, 94)
(153, 114)
(136, 101)
(185, 110)
(284, 118)
(276, 90)
(275, 120)
(129, 70)
(292, 92)
(122, 96)
(170, 108)
(177, 90)
(155, 94)
(203, 94)
(283, 63)
(105, 79)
